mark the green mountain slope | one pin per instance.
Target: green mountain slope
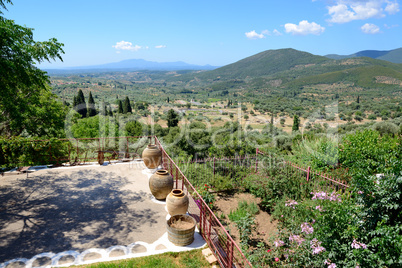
(393, 56)
(289, 68)
(266, 63)
(374, 76)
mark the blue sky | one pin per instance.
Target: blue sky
(202, 32)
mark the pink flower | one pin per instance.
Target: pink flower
(279, 243)
(318, 208)
(291, 203)
(306, 228)
(318, 249)
(324, 196)
(316, 246)
(269, 250)
(332, 265)
(296, 238)
(358, 245)
(276, 259)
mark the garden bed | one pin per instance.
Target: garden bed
(264, 226)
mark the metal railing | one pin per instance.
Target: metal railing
(218, 239)
(320, 180)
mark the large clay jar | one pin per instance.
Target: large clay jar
(177, 202)
(161, 184)
(152, 156)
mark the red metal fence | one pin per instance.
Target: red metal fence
(318, 179)
(221, 243)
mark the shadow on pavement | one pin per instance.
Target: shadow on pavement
(57, 212)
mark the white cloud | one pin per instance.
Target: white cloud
(123, 45)
(254, 35)
(160, 46)
(277, 33)
(304, 28)
(391, 26)
(370, 28)
(348, 10)
(392, 7)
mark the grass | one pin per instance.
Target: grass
(184, 259)
(243, 210)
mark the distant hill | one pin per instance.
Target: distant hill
(293, 69)
(138, 64)
(266, 63)
(394, 55)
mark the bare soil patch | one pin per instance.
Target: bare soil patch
(227, 202)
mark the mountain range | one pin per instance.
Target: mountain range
(290, 68)
(135, 65)
(257, 64)
(394, 55)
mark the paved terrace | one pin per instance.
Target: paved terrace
(83, 214)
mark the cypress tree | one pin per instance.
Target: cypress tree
(120, 109)
(172, 118)
(110, 111)
(127, 106)
(81, 106)
(91, 110)
(296, 123)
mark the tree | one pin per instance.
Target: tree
(27, 107)
(91, 111)
(133, 128)
(120, 109)
(296, 123)
(80, 105)
(127, 106)
(103, 110)
(172, 118)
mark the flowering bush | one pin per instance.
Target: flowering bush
(208, 197)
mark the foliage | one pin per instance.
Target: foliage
(120, 109)
(369, 151)
(244, 218)
(172, 118)
(91, 110)
(127, 106)
(360, 228)
(22, 83)
(133, 128)
(243, 209)
(317, 152)
(206, 195)
(21, 151)
(386, 128)
(276, 185)
(96, 126)
(296, 123)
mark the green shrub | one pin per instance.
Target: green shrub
(386, 128)
(368, 151)
(20, 151)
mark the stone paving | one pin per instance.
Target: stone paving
(74, 215)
